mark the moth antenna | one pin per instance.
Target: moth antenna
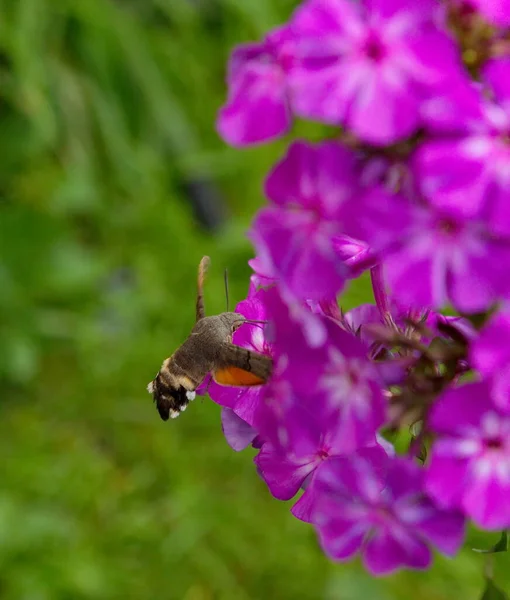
(202, 269)
(254, 321)
(225, 275)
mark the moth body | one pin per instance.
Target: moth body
(208, 349)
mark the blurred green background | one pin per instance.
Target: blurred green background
(113, 184)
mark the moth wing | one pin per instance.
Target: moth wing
(242, 367)
(236, 377)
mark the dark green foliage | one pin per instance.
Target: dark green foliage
(500, 546)
(492, 592)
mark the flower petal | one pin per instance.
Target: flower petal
(238, 433)
(384, 553)
(486, 502)
(341, 539)
(446, 480)
(284, 474)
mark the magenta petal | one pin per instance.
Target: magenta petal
(249, 118)
(496, 11)
(453, 111)
(304, 508)
(257, 107)
(486, 501)
(501, 389)
(403, 478)
(446, 479)
(416, 12)
(248, 401)
(497, 74)
(226, 396)
(301, 251)
(355, 254)
(341, 539)
(312, 92)
(358, 419)
(446, 530)
(449, 177)
(387, 446)
(238, 433)
(376, 217)
(317, 18)
(359, 474)
(243, 400)
(283, 474)
(434, 59)
(481, 281)
(384, 553)
(382, 114)
(459, 407)
(263, 274)
(491, 350)
(361, 315)
(283, 185)
(314, 177)
(420, 281)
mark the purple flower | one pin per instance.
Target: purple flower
(470, 461)
(257, 109)
(334, 387)
(285, 472)
(467, 163)
(356, 255)
(434, 255)
(381, 511)
(490, 354)
(308, 190)
(263, 272)
(360, 316)
(326, 308)
(495, 11)
(368, 64)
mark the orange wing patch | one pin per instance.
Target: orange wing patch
(236, 377)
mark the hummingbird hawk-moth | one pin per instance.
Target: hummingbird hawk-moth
(208, 349)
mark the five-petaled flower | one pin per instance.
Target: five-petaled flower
(374, 504)
(368, 65)
(470, 463)
(434, 255)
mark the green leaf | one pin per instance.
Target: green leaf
(493, 592)
(500, 546)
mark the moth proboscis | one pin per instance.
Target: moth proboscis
(208, 349)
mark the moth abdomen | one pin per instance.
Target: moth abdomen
(170, 400)
(172, 389)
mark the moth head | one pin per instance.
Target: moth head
(233, 321)
(170, 400)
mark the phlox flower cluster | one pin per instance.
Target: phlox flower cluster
(411, 190)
